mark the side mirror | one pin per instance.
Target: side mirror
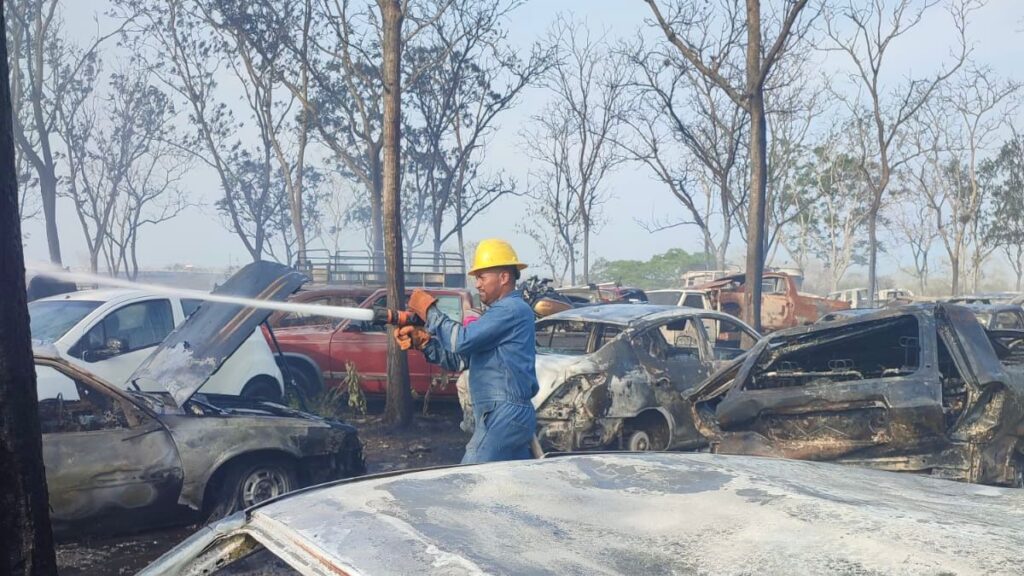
(114, 347)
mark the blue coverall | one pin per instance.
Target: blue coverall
(499, 350)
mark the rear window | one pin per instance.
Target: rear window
(50, 320)
(563, 337)
(663, 298)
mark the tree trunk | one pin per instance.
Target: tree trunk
(398, 410)
(48, 191)
(586, 251)
(758, 169)
(954, 263)
(26, 541)
(377, 205)
(872, 254)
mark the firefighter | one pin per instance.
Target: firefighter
(498, 350)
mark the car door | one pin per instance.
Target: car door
(366, 346)
(671, 352)
(119, 341)
(104, 455)
(874, 388)
(725, 339)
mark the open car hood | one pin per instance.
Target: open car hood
(194, 351)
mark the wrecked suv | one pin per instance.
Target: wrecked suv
(615, 376)
(921, 388)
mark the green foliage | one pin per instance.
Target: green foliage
(661, 271)
(1004, 178)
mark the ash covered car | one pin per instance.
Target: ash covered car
(618, 513)
(920, 388)
(127, 459)
(616, 375)
(999, 316)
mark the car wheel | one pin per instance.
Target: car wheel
(262, 388)
(639, 441)
(304, 378)
(248, 484)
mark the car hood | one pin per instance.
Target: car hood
(554, 369)
(629, 514)
(194, 351)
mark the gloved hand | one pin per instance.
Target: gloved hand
(412, 337)
(419, 302)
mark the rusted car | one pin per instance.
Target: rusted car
(783, 305)
(605, 514)
(921, 388)
(616, 375)
(317, 348)
(126, 459)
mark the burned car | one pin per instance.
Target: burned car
(999, 316)
(921, 388)
(118, 459)
(616, 375)
(618, 513)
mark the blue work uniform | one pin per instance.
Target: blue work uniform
(499, 350)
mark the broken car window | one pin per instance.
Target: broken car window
(68, 405)
(880, 349)
(563, 337)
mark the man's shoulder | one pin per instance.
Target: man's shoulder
(514, 304)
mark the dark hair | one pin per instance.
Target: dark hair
(513, 272)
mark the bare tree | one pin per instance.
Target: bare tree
(259, 34)
(38, 46)
(590, 94)
(679, 111)
(677, 25)
(865, 32)
(26, 542)
(142, 137)
(555, 226)
(913, 226)
(469, 77)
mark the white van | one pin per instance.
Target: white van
(109, 332)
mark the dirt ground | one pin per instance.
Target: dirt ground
(433, 440)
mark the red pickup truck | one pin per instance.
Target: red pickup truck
(317, 348)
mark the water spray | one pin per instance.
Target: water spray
(378, 316)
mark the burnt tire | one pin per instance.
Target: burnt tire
(262, 388)
(248, 483)
(638, 441)
(646, 432)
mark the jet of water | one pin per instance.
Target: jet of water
(341, 312)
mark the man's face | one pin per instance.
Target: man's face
(490, 284)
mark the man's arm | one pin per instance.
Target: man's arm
(436, 354)
(480, 335)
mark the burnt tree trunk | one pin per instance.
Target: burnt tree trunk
(758, 169)
(398, 410)
(26, 542)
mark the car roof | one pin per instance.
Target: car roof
(990, 308)
(97, 295)
(639, 513)
(625, 314)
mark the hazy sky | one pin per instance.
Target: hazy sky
(198, 237)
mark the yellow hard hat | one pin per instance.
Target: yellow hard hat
(494, 253)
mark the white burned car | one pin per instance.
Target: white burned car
(618, 513)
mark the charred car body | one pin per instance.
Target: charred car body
(921, 388)
(616, 375)
(121, 459)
